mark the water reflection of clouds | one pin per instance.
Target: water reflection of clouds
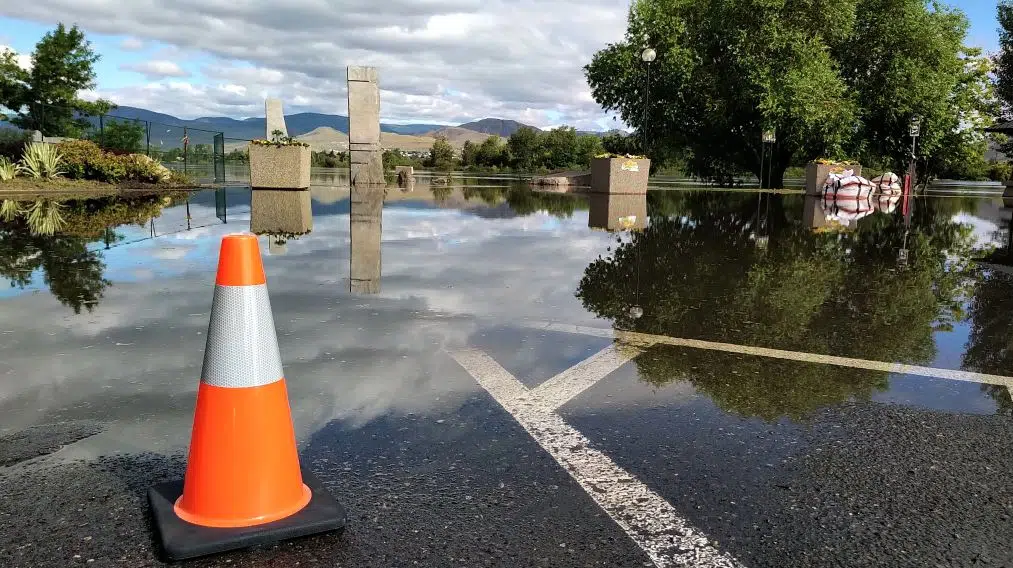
(136, 359)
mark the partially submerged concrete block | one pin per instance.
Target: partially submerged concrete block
(620, 175)
(816, 174)
(564, 180)
(280, 167)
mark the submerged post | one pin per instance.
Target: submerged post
(364, 150)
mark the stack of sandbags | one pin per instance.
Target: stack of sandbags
(847, 185)
(887, 183)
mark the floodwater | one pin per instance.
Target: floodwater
(102, 336)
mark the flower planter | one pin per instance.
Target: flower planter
(816, 174)
(620, 175)
(279, 167)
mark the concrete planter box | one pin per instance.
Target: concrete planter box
(619, 175)
(280, 167)
(280, 212)
(816, 174)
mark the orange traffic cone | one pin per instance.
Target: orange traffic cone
(243, 484)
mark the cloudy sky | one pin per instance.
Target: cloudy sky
(441, 61)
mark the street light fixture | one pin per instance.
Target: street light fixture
(769, 138)
(648, 55)
(915, 130)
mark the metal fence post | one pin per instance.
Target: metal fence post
(101, 131)
(186, 150)
(147, 138)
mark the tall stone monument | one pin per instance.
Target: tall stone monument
(275, 117)
(364, 150)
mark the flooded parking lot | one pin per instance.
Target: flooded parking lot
(488, 376)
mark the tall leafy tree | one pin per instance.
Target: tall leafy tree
(840, 86)
(46, 97)
(1004, 64)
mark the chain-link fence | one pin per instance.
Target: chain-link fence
(199, 153)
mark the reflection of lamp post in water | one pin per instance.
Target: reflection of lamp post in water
(902, 254)
(648, 55)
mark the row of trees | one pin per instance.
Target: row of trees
(527, 150)
(844, 88)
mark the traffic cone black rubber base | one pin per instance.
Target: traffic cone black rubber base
(181, 540)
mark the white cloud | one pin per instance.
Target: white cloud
(519, 59)
(131, 44)
(156, 69)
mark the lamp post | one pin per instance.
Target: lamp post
(648, 55)
(769, 138)
(914, 129)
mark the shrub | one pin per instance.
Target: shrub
(79, 157)
(8, 169)
(1000, 171)
(144, 169)
(41, 160)
(12, 143)
(109, 168)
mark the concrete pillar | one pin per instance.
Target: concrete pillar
(366, 226)
(364, 150)
(274, 117)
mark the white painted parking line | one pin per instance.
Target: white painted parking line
(647, 519)
(645, 338)
(560, 389)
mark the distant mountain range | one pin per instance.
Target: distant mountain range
(306, 122)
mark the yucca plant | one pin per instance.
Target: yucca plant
(45, 217)
(8, 169)
(9, 210)
(41, 161)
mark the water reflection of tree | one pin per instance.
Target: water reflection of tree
(55, 241)
(72, 272)
(698, 272)
(990, 342)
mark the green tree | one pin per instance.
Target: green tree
(469, 154)
(126, 135)
(559, 148)
(587, 148)
(441, 156)
(492, 153)
(1004, 65)
(45, 98)
(727, 71)
(525, 147)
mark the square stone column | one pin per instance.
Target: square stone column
(364, 150)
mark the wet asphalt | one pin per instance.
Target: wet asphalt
(465, 487)
(809, 466)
